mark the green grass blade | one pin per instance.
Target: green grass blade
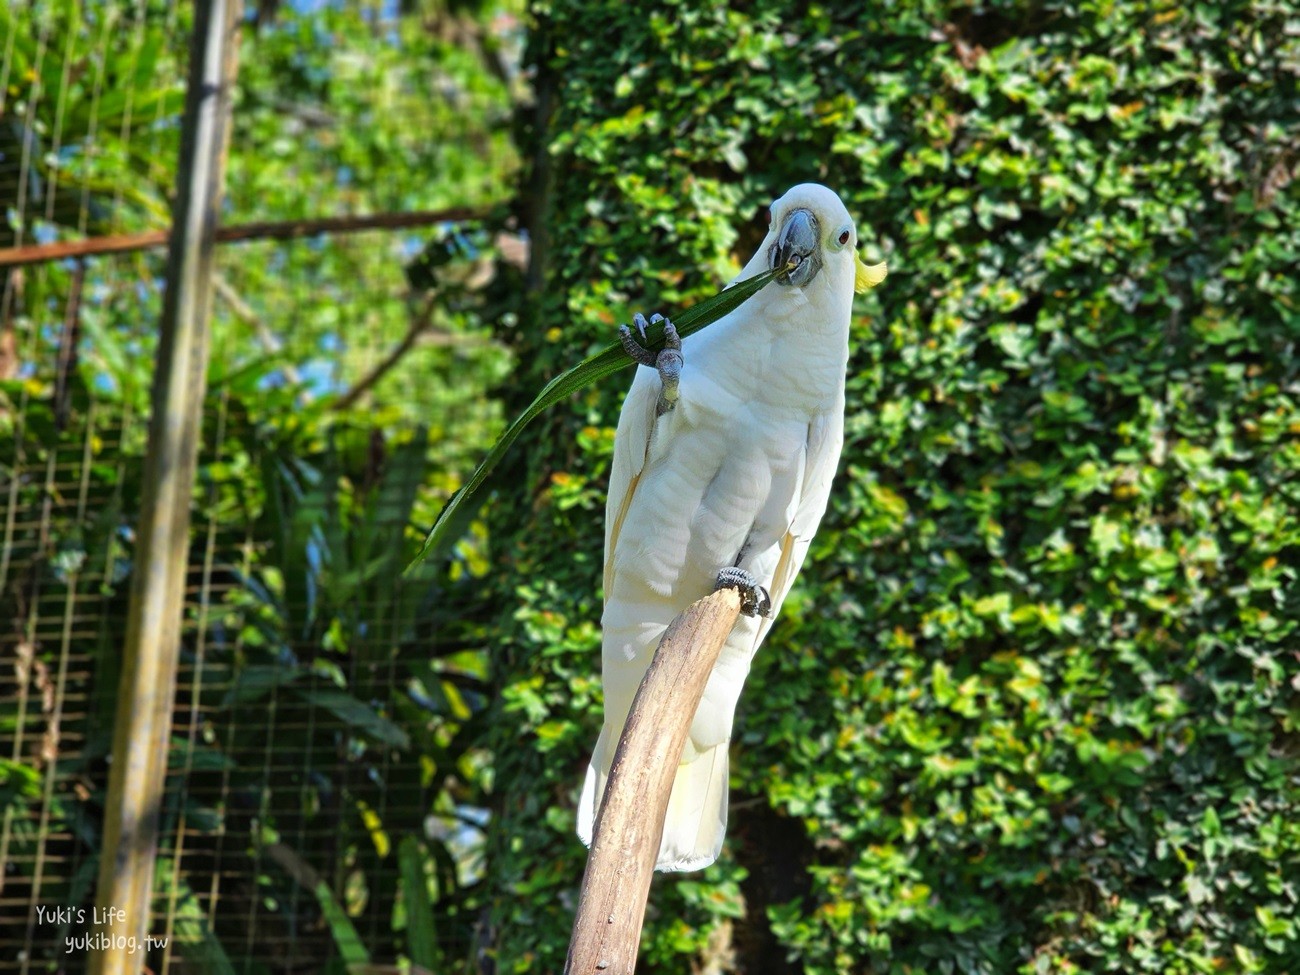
(455, 516)
(421, 938)
(350, 947)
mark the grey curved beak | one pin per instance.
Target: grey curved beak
(797, 242)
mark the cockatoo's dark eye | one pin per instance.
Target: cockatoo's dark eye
(768, 217)
(844, 238)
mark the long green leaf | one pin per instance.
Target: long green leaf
(192, 938)
(351, 948)
(465, 502)
(358, 714)
(421, 936)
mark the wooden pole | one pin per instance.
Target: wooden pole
(630, 823)
(143, 720)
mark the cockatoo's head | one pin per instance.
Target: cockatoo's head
(811, 230)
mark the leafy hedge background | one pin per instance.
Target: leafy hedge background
(1034, 704)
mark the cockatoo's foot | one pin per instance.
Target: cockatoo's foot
(754, 600)
(668, 362)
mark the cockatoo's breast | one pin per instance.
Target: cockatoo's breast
(786, 358)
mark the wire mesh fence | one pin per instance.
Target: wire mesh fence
(322, 762)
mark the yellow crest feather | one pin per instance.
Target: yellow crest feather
(867, 276)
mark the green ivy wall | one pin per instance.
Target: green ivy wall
(1034, 705)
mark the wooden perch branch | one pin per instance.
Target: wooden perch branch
(630, 823)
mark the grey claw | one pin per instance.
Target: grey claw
(634, 348)
(754, 599)
(668, 362)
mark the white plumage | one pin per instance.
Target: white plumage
(738, 473)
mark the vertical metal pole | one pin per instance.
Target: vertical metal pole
(145, 696)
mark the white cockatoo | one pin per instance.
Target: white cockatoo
(722, 468)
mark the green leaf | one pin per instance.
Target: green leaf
(466, 501)
(941, 681)
(421, 943)
(190, 931)
(351, 949)
(360, 716)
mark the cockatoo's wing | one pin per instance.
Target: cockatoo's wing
(631, 445)
(636, 424)
(812, 491)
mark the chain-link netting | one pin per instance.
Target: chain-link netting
(320, 765)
